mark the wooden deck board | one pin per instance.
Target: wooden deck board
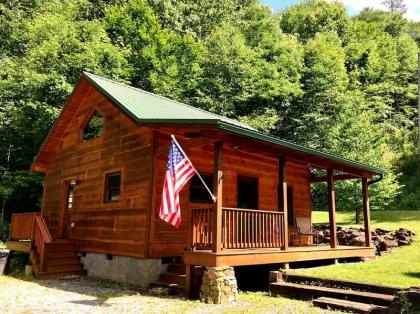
(239, 257)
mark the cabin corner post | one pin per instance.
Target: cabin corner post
(217, 191)
(366, 212)
(331, 208)
(283, 200)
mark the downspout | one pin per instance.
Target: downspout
(380, 178)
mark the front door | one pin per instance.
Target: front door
(66, 210)
(247, 192)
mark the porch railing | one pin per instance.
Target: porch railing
(22, 226)
(241, 228)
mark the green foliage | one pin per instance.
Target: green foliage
(310, 74)
(309, 17)
(4, 232)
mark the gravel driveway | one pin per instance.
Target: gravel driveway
(87, 295)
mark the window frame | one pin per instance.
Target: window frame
(107, 189)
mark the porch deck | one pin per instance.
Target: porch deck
(256, 256)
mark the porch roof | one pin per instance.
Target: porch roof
(145, 107)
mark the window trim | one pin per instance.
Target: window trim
(105, 190)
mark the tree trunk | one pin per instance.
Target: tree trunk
(358, 212)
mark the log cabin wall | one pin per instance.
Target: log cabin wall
(120, 227)
(169, 241)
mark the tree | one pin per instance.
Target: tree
(395, 5)
(309, 17)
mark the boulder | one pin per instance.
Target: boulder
(358, 241)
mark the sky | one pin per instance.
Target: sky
(354, 6)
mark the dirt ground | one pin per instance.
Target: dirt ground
(87, 295)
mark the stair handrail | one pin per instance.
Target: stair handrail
(41, 237)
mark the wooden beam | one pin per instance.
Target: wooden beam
(217, 191)
(283, 199)
(337, 177)
(366, 212)
(331, 208)
(189, 281)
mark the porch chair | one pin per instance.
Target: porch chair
(303, 227)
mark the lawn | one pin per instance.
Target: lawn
(399, 268)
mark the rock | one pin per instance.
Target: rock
(358, 241)
(387, 244)
(403, 242)
(381, 231)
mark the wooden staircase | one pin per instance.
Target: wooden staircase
(173, 279)
(60, 260)
(348, 296)
(49, 258)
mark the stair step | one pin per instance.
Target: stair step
(177, 269)
(62, 261)
(172, 278)
(302, 291)
(350, 306)
(61, 254)
(335, 283)
(53, 275)
(174, 286)
(54, 247)
(63, 268)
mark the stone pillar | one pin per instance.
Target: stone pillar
(219, 285)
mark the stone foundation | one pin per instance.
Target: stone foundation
(219, 285)
(136, 271)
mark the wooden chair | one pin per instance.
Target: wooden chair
(303, 227)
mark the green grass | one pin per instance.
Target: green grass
(400, 268)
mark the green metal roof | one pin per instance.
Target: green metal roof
(145, 107)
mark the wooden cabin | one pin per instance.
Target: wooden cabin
(104, 163)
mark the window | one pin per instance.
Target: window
(198, 193)
(70, 192)
(247, 192)
(112, 187)
(94, 128)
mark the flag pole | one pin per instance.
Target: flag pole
(204, 183)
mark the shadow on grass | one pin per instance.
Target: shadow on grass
(413, 274)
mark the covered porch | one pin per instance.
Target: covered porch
(223, 236)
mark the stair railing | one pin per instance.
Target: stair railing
(41, 238)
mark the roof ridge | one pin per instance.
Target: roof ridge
(166, 98)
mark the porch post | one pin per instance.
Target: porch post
(366, 212)
(217, 191)
(331, 208)
(283, 200)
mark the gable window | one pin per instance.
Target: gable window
(112, 187)
(94, 128)
(198, 193)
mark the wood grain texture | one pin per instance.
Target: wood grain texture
(119, 227)
(169, 241)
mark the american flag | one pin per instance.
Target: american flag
(178, 171)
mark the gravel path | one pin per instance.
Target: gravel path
(87, 295)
